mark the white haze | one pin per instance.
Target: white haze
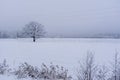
(63, 17)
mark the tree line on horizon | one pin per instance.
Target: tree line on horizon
(36, 30)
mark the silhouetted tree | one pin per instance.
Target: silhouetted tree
(34, 30)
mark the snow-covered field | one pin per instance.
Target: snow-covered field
(65, 52)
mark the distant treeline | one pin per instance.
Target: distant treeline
(36, 30)
(20, 34)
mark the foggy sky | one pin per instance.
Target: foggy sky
(63, 17)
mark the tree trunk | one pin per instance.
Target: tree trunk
(34, 39)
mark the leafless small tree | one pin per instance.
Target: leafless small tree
(116, 68)
(34, 30)
(87, 69)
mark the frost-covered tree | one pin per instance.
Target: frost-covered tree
(34, 30)
(116, 68)
(87, 69)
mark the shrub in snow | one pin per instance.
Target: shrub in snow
(54, 72)
(25, 70)
(102, 73)
(51, 72)
(4, 68)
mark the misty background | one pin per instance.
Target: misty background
(62, 17)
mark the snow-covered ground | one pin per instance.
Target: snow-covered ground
(65, 52)
(6, 77)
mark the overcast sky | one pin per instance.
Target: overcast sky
(69, 17)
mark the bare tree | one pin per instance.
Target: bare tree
(115, 68)
(34, 30)
(87, 69)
